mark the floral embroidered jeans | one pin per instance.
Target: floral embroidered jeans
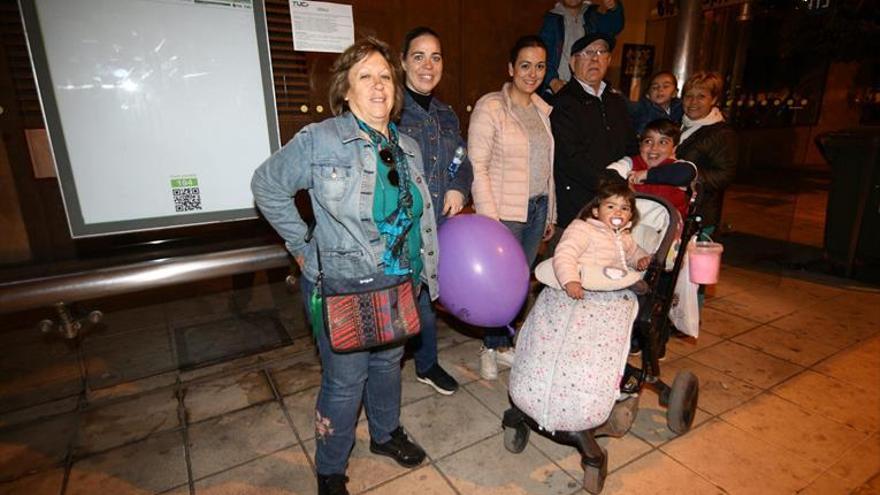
(371, 377)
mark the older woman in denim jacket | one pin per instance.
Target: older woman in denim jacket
(353, 166)
(435, 127)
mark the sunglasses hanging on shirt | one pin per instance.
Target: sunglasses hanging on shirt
(387, 158)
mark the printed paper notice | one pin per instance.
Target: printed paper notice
(321, 26)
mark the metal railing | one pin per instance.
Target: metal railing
(65, 289)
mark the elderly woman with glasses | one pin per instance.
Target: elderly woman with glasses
(360, 173)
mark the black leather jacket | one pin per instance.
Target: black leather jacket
(714, 149)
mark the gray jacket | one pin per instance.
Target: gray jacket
(336, 163)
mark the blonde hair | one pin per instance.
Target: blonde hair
(360, 50)
(705, 80)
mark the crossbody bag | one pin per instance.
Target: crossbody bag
(361, 313)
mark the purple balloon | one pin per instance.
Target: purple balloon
(483, 274)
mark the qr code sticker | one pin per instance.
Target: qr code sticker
(187, 199)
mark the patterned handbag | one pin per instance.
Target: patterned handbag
(363, 312)
(366, 312)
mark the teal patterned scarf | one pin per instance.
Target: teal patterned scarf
(394, 227)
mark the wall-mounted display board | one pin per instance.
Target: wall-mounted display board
(158, 111)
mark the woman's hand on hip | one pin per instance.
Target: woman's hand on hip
(549, 230)
(453, 202)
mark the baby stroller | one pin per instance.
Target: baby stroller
(597, 393)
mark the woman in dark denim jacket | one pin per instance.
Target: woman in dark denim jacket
(447, 169)
(359, 173)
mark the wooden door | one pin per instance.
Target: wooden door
(489, 28)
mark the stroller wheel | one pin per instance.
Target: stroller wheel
(594, 476)
(683, 396)
(516, 437)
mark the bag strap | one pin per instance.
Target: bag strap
(310, 234)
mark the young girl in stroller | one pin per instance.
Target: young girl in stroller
(600, 238)
(573, 347)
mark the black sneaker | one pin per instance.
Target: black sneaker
(332, 484)
(438, 378)
(400, 448)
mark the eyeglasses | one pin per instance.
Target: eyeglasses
(598, 52)
(387, 158)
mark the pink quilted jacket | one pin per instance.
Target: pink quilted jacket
(591, 242)
(498, 148)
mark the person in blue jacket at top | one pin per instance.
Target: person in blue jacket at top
(659, 102)
(567, 22)
(434, 125)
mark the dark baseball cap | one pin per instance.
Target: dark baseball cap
(586, 40)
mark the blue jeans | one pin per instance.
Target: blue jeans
(529, 235)
(346, 380)
(424, 345)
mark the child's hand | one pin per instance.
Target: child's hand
(643, 263)
(637, 177)
(574, 290)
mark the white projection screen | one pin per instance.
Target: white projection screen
(158, 111)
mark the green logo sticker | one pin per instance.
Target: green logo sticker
(190, 181)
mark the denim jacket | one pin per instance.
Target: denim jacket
(336, 163)
(438, 134)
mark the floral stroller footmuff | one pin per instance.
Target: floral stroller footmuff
(571, 380)
(570, 358)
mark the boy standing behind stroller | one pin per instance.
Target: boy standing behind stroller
(655, 170)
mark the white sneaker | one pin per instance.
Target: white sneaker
(505, 357)
(488, 365)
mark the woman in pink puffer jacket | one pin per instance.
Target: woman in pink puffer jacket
(510, 146)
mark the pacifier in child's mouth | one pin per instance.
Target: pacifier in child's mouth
(617, 221)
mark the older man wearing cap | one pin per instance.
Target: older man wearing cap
(590, 125)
